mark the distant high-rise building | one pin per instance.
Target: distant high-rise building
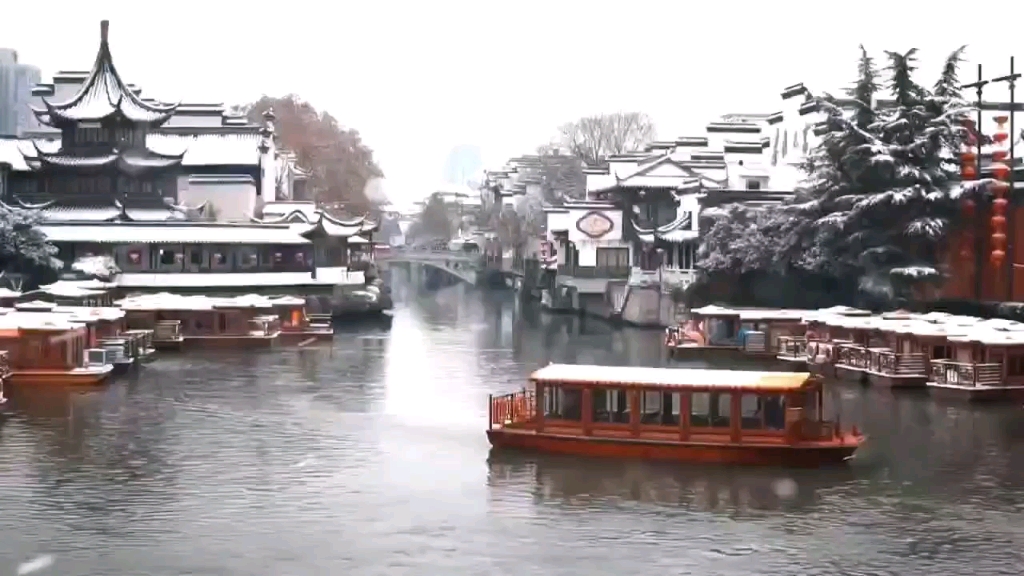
(463, 164)
(16, 82)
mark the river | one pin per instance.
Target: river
(369, 457)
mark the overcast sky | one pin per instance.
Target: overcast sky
(417, 78)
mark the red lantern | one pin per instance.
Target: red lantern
(998, 221)
(1000, 155)
(999, 187)
(998, 257)
(1000, 137)
(999, 240)
(968, 172)
(968, 157)
(1000, 170)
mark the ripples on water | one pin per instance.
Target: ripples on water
(368, 457)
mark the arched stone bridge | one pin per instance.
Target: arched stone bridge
(465, 266)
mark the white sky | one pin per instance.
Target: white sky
(417, 78)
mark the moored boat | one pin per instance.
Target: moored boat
(48, 348)
(715, 332)
(203, 322)
(712, 416)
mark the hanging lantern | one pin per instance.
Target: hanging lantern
(968, 172)
(1000, 189)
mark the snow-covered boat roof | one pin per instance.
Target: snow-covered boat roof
(167, 301)
(670, 377)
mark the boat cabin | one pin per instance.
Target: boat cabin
(202, 321)
(986, 363)
(48, 348)
(91, 293)
(723, 416)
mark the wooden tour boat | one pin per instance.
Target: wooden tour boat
(712, 416)
(715, 332)
(203, 321)
(296, 325)
(106, 329)
(49, 348)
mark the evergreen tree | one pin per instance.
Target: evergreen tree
(880, 195)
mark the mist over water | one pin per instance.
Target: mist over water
(369, 457)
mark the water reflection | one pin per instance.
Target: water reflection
(596, 483)
(262, 463)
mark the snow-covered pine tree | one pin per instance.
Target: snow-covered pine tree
(884, 183)
(881, 189)
(23, 246)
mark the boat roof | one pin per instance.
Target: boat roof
(166, 301)
(670, 377)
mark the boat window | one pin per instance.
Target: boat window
(711, 409)
(763, 412)
(609, 405)
(659, 408)
(751, 412)
(810, 406)
(563, 403)
(1014, 365)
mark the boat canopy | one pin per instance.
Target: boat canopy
(671, 377)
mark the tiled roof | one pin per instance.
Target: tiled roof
(235, 279)
(104, 93)
(102, 214)
(177, 233)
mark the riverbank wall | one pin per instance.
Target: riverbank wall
(641, 306)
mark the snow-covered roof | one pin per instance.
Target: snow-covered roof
(168, 301)
(223, 280)
(183, 233)
(670, 377)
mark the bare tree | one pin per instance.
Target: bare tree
(594, 138)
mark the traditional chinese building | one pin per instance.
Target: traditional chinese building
(139, 180)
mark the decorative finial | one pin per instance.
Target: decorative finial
(269, 115)
(104, 28)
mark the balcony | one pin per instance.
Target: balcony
(792, 347)
(593, 272)
(966, 374)
(891, 363)
(666, 277)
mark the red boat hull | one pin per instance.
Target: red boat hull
(799, 456)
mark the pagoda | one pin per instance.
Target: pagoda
(103, 159)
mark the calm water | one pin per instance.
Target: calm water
(369, 457)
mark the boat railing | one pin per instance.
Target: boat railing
(117, 349)
(793, 347)
(853, 356)
(143, 338)
(264, 326)
(970, 374)
(511, 409)
(892, 363)
(319, 318)
(167, 331)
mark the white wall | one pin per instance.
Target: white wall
(586, 245)
(233, 197)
